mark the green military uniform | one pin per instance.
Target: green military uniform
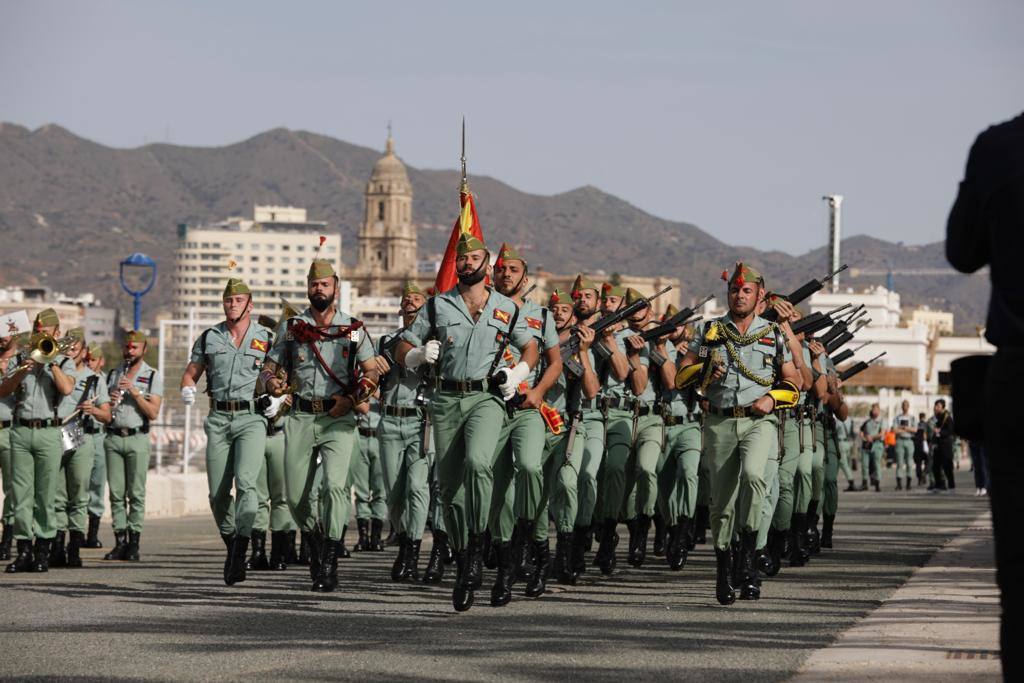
(831, 428)
(844, 435)
(127, 448)
(6, 472)
(739, 443)
(98, 477)
(815, 413)
(272, 511)
(904, 447)
(874, 455)
(367, 476)
(464, 413)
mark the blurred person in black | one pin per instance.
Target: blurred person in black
(942, 448)
(921, 449)
(986, 226)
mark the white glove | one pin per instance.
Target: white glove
(188, 395)
(513, 378)
(428, 353)
(270, 412)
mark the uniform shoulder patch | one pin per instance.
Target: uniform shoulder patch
(768, 341)
(260, 345)
(534, 323)
(503, 316)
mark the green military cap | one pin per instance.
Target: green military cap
(410, 287)
(743, 274)
(608, 289)
(670, 311)
(582, 282)
(632, 296)
(559, 297)
(77, 333)
(234, 287)
(508, 253)
(320, 269)
(135, 336)
(47, 318)
(94, 350)
(467, 243)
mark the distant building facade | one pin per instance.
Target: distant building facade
(85, 310)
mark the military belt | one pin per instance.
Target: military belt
(4, 424)
(620, 403)
(38, 424)
(366, 431)
(232, 406)
(591, 404)
(673, 420)
(398, 411)
(646, 409)
(462, 386)
(127, 431)
(735, 411)
(274, 430)
(315, 406)
(90, 429)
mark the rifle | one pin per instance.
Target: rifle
(859, 366)
(388, 346)
(841, 327)
(817, 321)
(805, 292)
(680, 319)
(847, 354)
(571, 346)
(838, 342)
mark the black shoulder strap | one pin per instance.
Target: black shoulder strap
(431, 318)
(352, 352)
(90, 386)
(149, 384)
(206, 360)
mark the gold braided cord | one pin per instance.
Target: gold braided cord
(743, 339)
(745, 371)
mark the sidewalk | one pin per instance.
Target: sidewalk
(942, 625)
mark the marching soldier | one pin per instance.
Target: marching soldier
(36, 444)
(327, 355)
(231, 354)
(519, 462)
(136, 390)
(872, 433)
(8, 349)
(837, 413)
(905, 426)
(464, 334)
(272, 512)
(367, 477)
(748, 356)
(816, 397)
(98, 478)
(88, 401)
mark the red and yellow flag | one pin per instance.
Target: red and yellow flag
(467, 221)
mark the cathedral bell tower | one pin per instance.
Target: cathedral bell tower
(387, 240)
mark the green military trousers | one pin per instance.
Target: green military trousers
(560, 496)
(518, 473)
(738, 451)
(406, 469)
(772, 477)
(72, 493)
(467, 427)
(904, 456)
(593, 457)
(305, 435)
(803, 484)
(789, 461)
(436, 514)
(618, 454)
(127, 469)
(872, 459)
(844, 459)
(818, 465)
(7, 473)
(35, 461)
(367, 477)
(830, 495)
(640, 495)
(677, 480)
(272, 510)
(235, 453)
(98, 476)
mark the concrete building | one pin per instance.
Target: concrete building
(940, 322)
(84, 310)
(378, 313)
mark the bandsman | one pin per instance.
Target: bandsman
(98, 478)
(8, 350)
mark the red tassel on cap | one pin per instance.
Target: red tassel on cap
(725, 275)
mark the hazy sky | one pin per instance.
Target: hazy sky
(737, 119)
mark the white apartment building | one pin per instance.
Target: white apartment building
(940, 321)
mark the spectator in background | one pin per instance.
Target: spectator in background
(942, 456)
(979, 465)
(921, 438)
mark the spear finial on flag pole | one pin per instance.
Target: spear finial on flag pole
(464, 186)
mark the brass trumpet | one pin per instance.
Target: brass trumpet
(43, 348)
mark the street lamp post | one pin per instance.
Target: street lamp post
(145, 268)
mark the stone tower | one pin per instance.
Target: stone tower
(387, 241)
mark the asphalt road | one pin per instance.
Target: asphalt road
(171, 617)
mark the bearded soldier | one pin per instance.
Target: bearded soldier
(746, 356)
(232, 354)
(325, 358)
(464, 334)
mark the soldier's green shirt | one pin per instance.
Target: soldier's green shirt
(98, 392)
(398, 388)
(843, 429)
(650, 392)
(468, 348)
(873, 427)
(305, 369)
(566, 394)
(541, 324)
(37, 395)
(231, 371)
(676, 402)
(908, 420)
(7, 403)
(613, 387)
(734, 389)
(148, 381)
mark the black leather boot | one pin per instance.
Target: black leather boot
(606, 551)
(435, 564)
(678, 548)
(229, 542)
(24, 561)
(327, 578)
(303, 556)
(290, 556)
(376, 527)
(750, 584)
(563, 569)
(724, 591)
(581, 538)
(899, 484)
(631, 527)
(908, 483)
(412, 560)
(92, 536)
(488, 552)
(826, 531)
(5, 542)
(476, 560)
(813, 536)
(258, 559)
(315, 548)
(235, 571)
(703, 520)
(850, 486)
(363, 544)
(877, 484)
(462, 593)
(131, 551)
(58, 555)
(120, 546)
(398, 569)
(660, 540)
(279, 551)
(643, 531)
(75, 542)
(392, 538)
(343, 551)
(863, 485)
(537, 584)
(523, 549)
(501, 591)
(775, 551)
(798, 554)
(41, 555)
